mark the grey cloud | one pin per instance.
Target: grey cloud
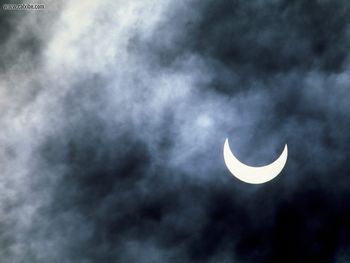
(112, 150)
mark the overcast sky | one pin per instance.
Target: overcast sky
(114, 114)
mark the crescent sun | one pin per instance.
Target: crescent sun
(251, 174)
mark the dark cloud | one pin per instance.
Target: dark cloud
(256, 41)
(118, 155)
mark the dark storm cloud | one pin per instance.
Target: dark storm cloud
(119, 156)
(257, 40)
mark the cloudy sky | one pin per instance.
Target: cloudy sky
(113, 117)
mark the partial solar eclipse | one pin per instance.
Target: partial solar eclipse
(251, 174)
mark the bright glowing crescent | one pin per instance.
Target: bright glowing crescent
(250, 174)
